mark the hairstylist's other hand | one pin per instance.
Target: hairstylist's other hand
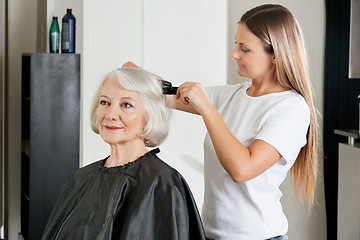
(130, 64)
(194, 94)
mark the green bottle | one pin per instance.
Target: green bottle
(54, 36)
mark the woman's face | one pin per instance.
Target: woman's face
(252, 60)
(120, 114)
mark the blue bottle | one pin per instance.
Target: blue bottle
(68, 32)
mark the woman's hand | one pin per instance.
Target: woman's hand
(193, 94)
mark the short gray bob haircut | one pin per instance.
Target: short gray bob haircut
(158, 107)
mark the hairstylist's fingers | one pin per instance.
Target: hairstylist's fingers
(130, 64)
(177, 94)
(185, 100)
(180, 90)
(183, 96)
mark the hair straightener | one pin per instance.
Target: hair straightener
(167, 87)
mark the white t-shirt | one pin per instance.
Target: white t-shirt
(252, 209)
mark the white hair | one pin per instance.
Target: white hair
(156, 105)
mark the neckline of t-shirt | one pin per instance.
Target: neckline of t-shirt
(248, 85)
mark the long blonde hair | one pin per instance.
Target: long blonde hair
(281, 34)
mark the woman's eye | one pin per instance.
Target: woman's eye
(244, 50)
(126, 105)
(103, 102)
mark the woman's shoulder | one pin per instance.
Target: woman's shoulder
(159, 166)
(86, 170)
(93, 165)
(294, 100)
(157, 169)
(290, 105)
(80, 178)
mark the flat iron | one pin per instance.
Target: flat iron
(167, 87)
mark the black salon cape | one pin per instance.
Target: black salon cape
(145, 199)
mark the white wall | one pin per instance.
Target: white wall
(186, 41)
(179, 40)
(113, 34)
(311, 17)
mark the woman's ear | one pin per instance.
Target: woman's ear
(273, 59)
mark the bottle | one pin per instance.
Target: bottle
(54, 36)
(68, 32)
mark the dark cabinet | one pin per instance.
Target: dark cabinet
(50, 134)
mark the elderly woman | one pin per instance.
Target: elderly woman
(131, 194)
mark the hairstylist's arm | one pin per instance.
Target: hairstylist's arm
(182, 104)
(240, 162)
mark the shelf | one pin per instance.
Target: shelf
(47, 151)
(348, 132)
(351, 134)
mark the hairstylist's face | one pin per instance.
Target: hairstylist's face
(252, 60)
(120, 114)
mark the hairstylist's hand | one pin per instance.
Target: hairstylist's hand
(194, 94)
(131, 64)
